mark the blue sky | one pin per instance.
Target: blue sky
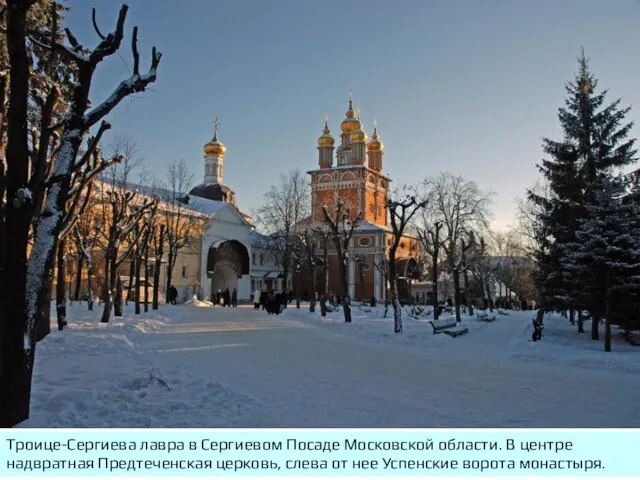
(465, 86)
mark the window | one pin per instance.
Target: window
(253, 285)
(364, 242)
(253, 259)
(261, 259)
(184, 272)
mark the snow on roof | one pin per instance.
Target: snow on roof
(257, 239)
(204, 205)
(368, 226)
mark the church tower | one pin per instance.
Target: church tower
(363, 187)
(214, 159)
(325, 146)
(213, 187)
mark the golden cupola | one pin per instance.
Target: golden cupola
(375, 145)
(359, 136)
(215, 147)
(351, 123)
(326, 140)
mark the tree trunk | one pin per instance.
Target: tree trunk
(117, 301)
(132, 275)
(456, 294)
(466, 287)
(16, 362)
(489, 299)
(136, 294)
(78, 285)
(434, 287)
(580, 321)
(312, 290)
(90, 284)
(61, 291)
(395, 301)
(156, 280)
(323, 291)
(146, 279)
(595, 324)
(344, 283)
(109, 285)
(43, 322)
(607, 313)
(170, 265)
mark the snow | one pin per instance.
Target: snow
(205, 206)
(202, 366)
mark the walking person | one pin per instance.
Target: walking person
(234, 298)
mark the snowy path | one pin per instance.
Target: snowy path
(303, 375)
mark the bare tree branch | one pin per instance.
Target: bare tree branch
(95, 24)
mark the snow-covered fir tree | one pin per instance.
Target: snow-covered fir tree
(606, 256)
(595, 147)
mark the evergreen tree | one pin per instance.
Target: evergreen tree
(594, 147)
(606, 255)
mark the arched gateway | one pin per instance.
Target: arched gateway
(227, 261)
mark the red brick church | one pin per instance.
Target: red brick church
(358, 180)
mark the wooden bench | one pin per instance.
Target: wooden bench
(448, 326)
(484, 317)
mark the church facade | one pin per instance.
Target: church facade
(228, 239)
(355, 176)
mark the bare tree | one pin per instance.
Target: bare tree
(463, 208)
(285, 205)
(24, 187)
(484, 268)
(342, 223)
(80, 194)
(323, 236)
(126, 211)
(403, 206)
(178, 225)
(429, 229)
(141, 249)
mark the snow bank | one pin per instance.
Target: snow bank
(96, 374)
(194, 302)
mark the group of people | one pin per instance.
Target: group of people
(272, 302)
(226, 298)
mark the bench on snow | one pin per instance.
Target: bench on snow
(484, 317)
(448, 326)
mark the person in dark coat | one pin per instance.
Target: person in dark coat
(227, 297)
(173, 295)
(279, 300)
(263, 299)
(271, 300)
(234, 298)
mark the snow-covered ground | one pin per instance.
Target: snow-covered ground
(198, 366)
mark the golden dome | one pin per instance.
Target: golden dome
(359, 136)
(326, 140)
(375, 145)
(351, 123)
(215, 147)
